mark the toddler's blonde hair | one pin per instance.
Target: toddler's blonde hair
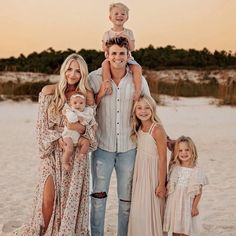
(174, 156)
(119, 5)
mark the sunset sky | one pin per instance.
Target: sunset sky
(36, 25)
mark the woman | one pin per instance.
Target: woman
(61, 199)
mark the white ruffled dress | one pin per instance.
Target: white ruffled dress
(183, 185)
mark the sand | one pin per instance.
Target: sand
(212, 128)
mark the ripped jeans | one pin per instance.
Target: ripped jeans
(102, 164)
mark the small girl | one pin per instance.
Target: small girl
(184, 189)
(119, 14)
(74, 112)
(148, 189)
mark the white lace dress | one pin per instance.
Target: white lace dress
(183, 185)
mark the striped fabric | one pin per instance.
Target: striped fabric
(113, 112)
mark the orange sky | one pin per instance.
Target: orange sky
(35, 25)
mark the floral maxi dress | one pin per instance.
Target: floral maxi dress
(70, 209)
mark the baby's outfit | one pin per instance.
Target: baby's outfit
(85, 118)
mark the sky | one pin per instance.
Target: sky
(28, 26)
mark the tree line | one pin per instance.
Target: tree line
(169, 57)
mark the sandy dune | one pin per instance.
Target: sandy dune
(212, 128)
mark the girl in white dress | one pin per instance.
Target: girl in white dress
(148, 189)
(184, 190)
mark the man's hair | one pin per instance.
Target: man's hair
(120, 41)
(119, 5)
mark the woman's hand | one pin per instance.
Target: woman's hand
(62, 143)
(160, 191)
(75, 126)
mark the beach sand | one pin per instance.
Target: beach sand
(212, 128)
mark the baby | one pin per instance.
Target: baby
(74, 112)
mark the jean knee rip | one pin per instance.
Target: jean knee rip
(99, 195)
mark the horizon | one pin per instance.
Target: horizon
(35, 26)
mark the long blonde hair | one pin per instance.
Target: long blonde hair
(59, 97)
(174, 156)
(136, 123)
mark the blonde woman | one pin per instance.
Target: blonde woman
(148, 189)
(61, 199)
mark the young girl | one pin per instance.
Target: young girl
(184, 189)
(119, 14)
(148, 189)
(76, 111)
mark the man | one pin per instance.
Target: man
(115, 148)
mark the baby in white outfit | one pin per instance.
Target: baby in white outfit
(74, 112)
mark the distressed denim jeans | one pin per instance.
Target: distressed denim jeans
(102, 164)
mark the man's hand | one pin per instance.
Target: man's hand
(170, 144)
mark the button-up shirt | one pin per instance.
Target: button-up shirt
(114, 112)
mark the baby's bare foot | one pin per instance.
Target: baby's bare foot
(82, 156)
(66, 166)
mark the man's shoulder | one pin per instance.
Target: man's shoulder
(95, 79)
(95, 73)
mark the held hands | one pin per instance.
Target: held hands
(160, 191)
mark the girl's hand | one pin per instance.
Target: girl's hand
(194, 212)
(160, 191)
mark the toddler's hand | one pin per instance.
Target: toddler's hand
(108, 87)
(137, 95)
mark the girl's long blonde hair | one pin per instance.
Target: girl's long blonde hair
(136, 123)
(59, 97)
(175, 154)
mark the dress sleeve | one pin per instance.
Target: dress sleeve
(46, 135)
(197, 181)
(172, 180)
(90, 132)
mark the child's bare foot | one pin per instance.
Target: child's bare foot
(137, 95)
(66, 166)
(82, 156)
(108, 87)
